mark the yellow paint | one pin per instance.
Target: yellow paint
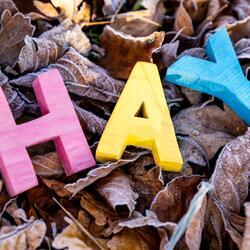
(143, 91)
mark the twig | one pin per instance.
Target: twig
(78, 224)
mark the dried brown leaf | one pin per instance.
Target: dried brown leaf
(70, 238)
(70, 9)
(239, 29)
(193, 235)
(27, 236)
(8, 5)
(141, 238)
(135, 24)
(123, 51)
(13, 31)
(78, 69)
(46, 9)
(183, 21)
(111, 6)
(242, 48)
(230, 177)
(98, 208)
(57, 186)
(15, 100)
(102, 171)
(242, 8)
(94, 124)
(37, 53)
(246, 239)
(137, 220)
(147, 180)
(196, 9)
(47, 165)
(166, 55)
(117, 191)
(210, 126)
(172, 202)
(68, 35)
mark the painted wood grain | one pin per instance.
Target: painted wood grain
(154, 130)
(221, 76)
(59, 123)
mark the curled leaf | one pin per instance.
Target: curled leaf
(110, 6)
(100, 172)
(68, 35)
(13, 31)
(171, 203)
(117, 191)
(37, 53)
(123, 51)
(183, 21)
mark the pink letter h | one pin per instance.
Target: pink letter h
(59, 123)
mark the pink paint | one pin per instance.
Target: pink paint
(59, 123)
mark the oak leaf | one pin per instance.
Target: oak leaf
(13, 31)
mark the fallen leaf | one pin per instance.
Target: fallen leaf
(26, 236)
(110, 6)
(58, 187)
(137, 220)
(37, 53)
(142, 238)
(123, 51)
(117, 191)
(171, 203)
(210, 126)
(13, 31)
(98, 208)
(94, 124)
(230, 177)
(71, 9)
(46, 8)
(242, 48)
(197, 9)
(150, 5)
(47, 165)
(78, 69)
(239, 29)
(246, 240)
(183, 21)
(15, 100)
(70, 238)
(68, 35)
(191, 221)
(101, 171)
(147, 180)
(166, 55)
(241, 8)
(8, 5)
(135, 24)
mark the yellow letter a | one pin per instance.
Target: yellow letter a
(142, 92)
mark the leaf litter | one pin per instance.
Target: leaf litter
(130, 203)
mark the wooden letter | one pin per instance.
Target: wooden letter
(59, 123)
(154, 130)
(222, 76)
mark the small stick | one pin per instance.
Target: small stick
(78, 224)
